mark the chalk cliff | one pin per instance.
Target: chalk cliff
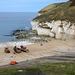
(56, 20)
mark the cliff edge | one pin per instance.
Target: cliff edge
(56, 20)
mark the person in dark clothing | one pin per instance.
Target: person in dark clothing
(41, 44)
(22, 47)
(17, 49)
(7, 50)
(46, 41)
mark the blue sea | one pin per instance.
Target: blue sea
(10, 21)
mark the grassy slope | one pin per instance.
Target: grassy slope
(57, 11)
(67, 68)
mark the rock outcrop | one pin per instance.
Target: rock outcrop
(56, 21)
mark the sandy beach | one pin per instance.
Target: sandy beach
(49, 48)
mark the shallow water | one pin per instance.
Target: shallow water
(10, 21)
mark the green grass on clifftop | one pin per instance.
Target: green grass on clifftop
(58, 11)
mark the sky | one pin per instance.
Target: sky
(25, 5)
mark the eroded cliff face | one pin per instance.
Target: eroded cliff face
(56, 20)
(57, 29)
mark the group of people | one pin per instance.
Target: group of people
(17, 49)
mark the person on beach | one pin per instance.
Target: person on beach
(46, 40)
(6, 50)
(41, 44)
(16, 49)
(23, 47)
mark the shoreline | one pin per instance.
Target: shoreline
(13, 43)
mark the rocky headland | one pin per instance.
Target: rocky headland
(56, 20)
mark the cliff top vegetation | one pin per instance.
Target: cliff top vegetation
(58, 11)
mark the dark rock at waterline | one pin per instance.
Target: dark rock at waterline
(18, 32)
(21, 36)
(27, 35)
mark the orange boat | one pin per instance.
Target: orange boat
(13, 63)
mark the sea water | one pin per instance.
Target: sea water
(10, 21)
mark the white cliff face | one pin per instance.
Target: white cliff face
(59, 29)
(44, 31)
(34, 25)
